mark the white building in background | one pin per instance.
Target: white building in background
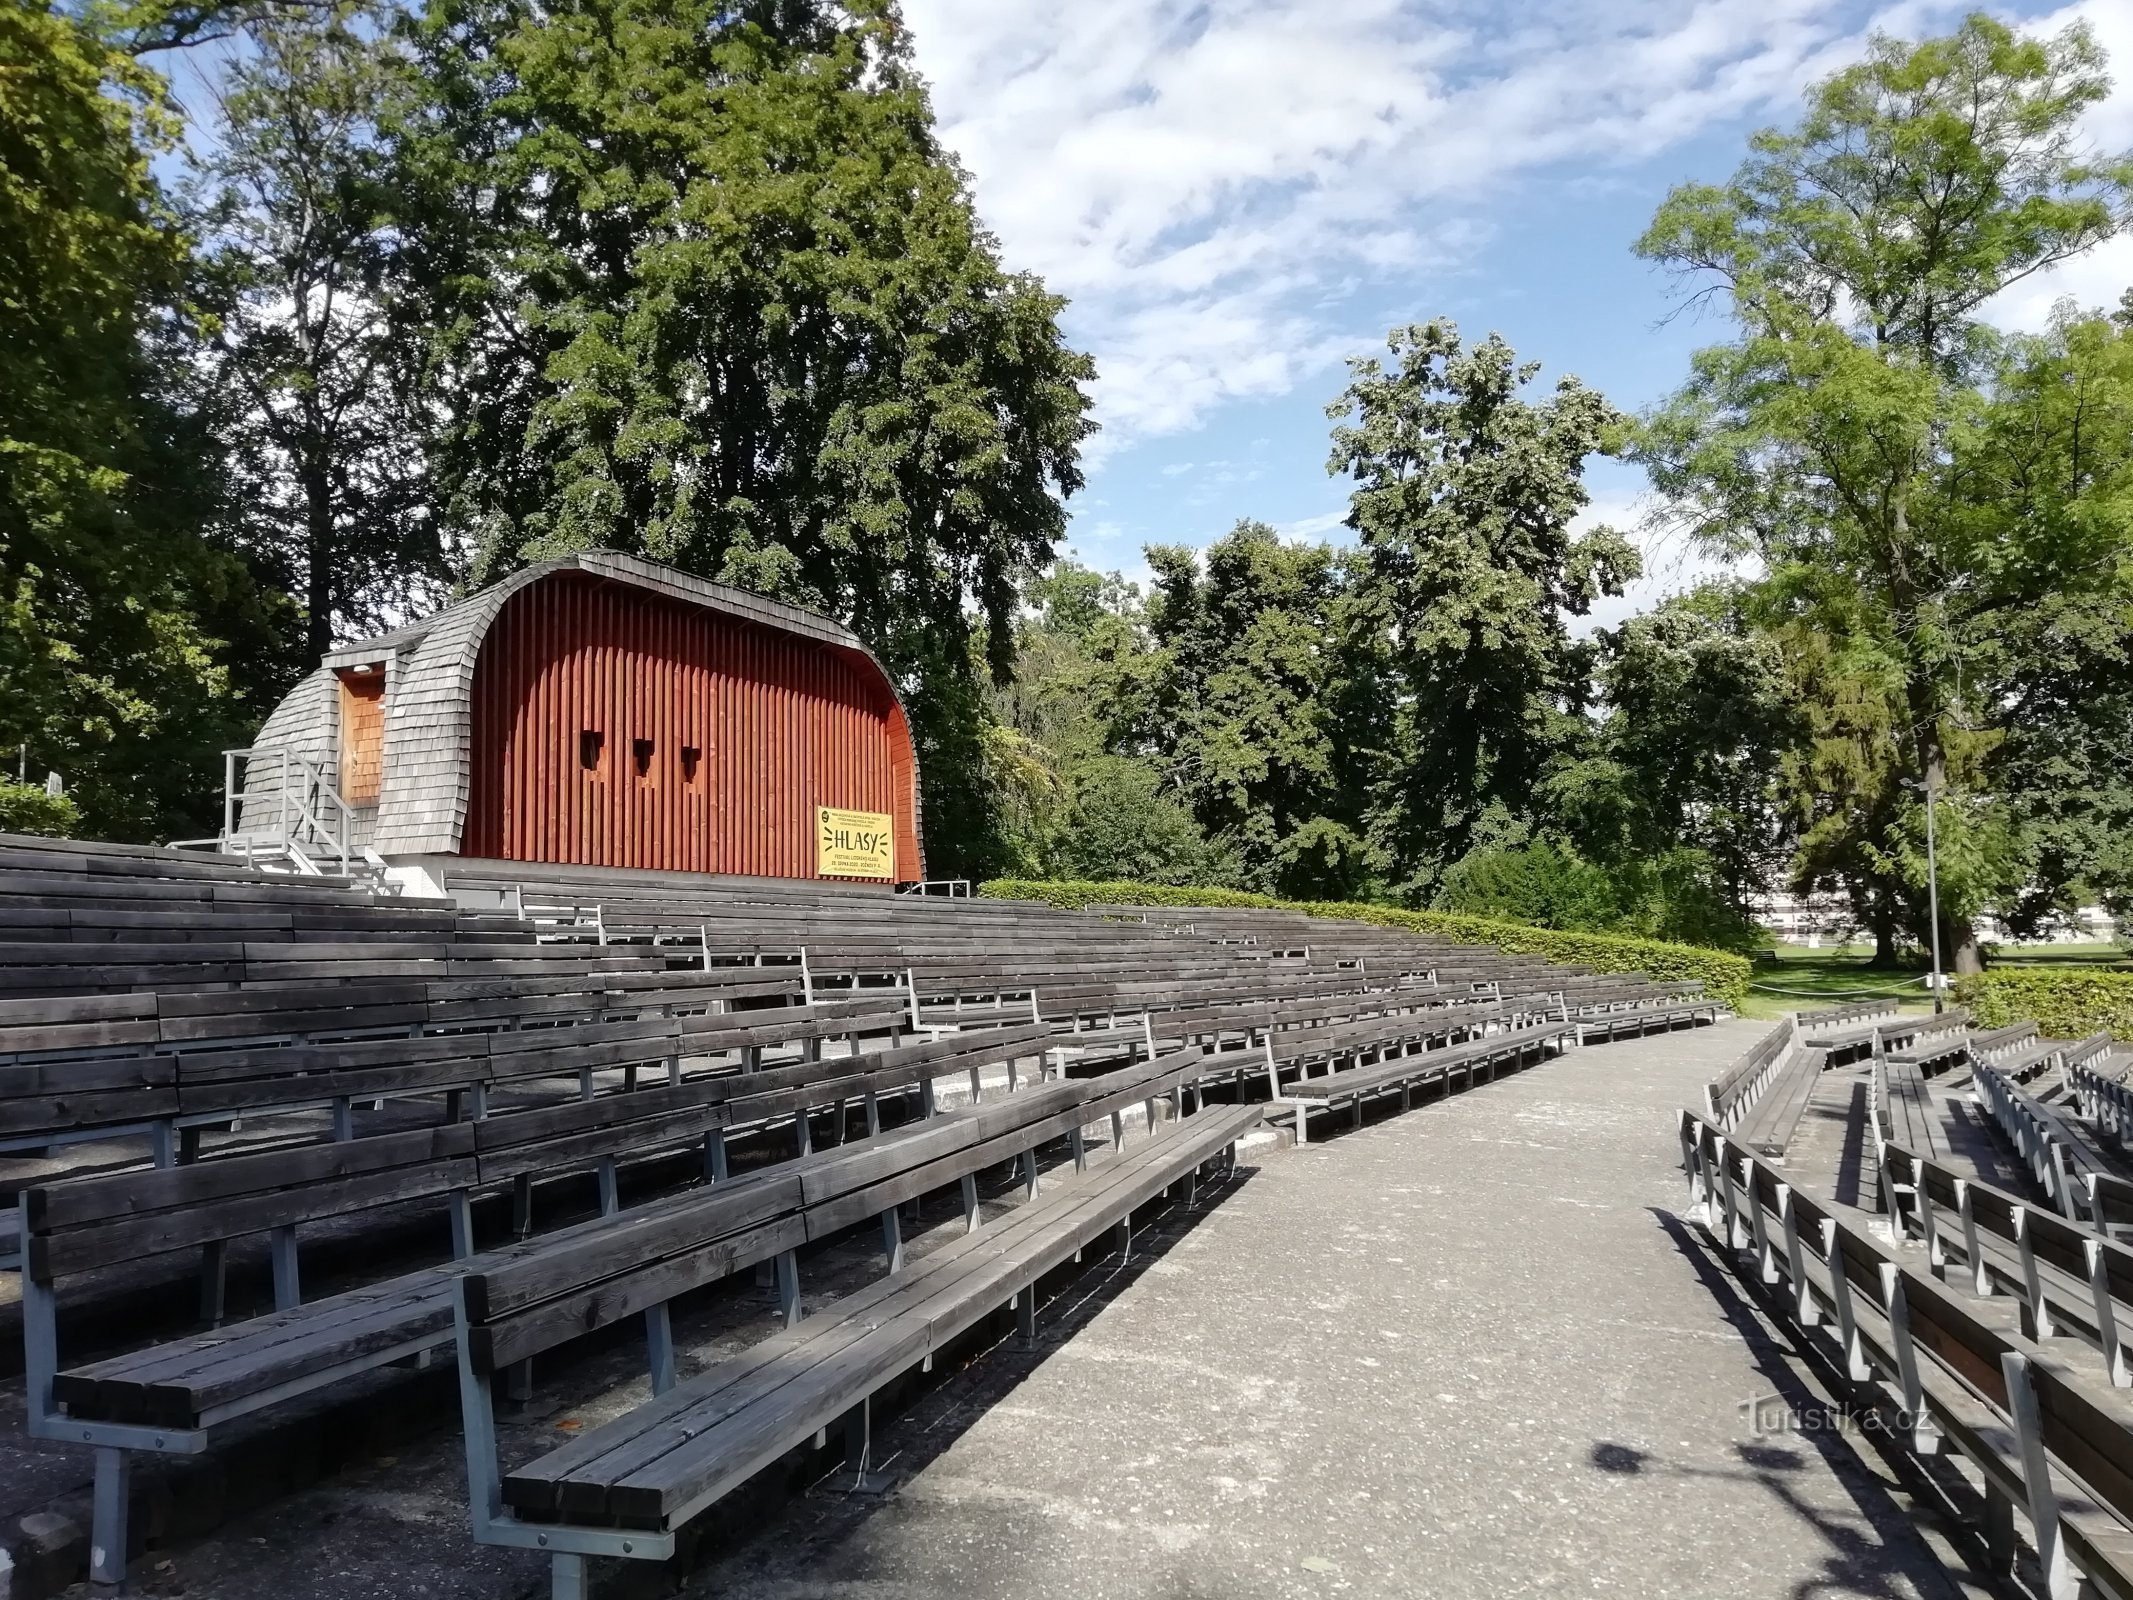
(1814, 922)
(2089, 925)
(1820, 921)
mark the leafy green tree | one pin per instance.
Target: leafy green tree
(310, 345)
(1122, 823)
(1856, 253)
(2050, 462)
(129, 632)
(1698, 716)
(708, 288)
(1465, 492)
(1248, 696)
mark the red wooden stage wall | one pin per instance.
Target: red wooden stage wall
(590, 697)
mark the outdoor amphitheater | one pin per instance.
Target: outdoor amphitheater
(483, 1171)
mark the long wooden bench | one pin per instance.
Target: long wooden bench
(173, 1397)
(1638, 1020)
(1930, 1043)
(1768, 1125)
(152, 1064)
(625, 1488)
(1401, 1073)
(2040, 1435)
(1734, 1092)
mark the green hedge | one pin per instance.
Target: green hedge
(2065, 1002)
(1724, 976)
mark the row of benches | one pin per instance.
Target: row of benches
(173, 1397)
(2040, 1436)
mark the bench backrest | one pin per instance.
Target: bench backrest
(579, 1279)
(81, 1224)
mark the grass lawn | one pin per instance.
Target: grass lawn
(1804, 979)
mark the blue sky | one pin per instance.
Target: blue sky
(1237, 196)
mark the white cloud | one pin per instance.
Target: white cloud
(1672, 563)
(1212, 183)
(1326, 525)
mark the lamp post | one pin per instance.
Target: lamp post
(1933, 896)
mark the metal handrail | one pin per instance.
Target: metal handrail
(308, 808)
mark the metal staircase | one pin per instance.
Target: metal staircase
(282, 812)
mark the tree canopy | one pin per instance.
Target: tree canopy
(437, 289)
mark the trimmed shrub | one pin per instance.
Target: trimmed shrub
(1724, 975)
(2065, 1002)
(26, 808)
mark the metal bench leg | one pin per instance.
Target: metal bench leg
(107, 1527)
(715, 1168)
(1029, 1174)
(288, 1290)
(610, 1187)
(214, 1281)
(1081, 1151)
(1026, 1314)
(970, 1203)
(659, 1342)
(789, 1287)
(859, 1450)
(572, 1579)
(522, 1205)
(1118, 1131)
(892, 1239)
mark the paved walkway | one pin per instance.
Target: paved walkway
(1464, 1352)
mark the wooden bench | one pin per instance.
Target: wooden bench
(1841, 1032)
(2057, 1159)
(98, 1066)
(626, 1487)
(1768, 1125)
(1639, 1020)
(1928, 1043)
(1728, 1097)
(173, 1397)
(1910, 1114)
(1401, 1073)
(2039, 1434)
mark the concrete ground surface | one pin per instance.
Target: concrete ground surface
(1469, 1351)
(1473, 1350)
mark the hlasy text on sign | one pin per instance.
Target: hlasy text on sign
(854, 844)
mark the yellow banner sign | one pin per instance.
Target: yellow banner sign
(854, 844)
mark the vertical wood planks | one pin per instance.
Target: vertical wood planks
(782, 723)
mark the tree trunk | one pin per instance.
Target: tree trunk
(1959, 951)
(318, 558)
(1882, 919)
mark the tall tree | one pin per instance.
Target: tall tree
(1698, 716)
(2049, 463)
(1856, 254)
(1465, 492)
(709, 288)
(1250, 705)
(319, 366)
(127, 630)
